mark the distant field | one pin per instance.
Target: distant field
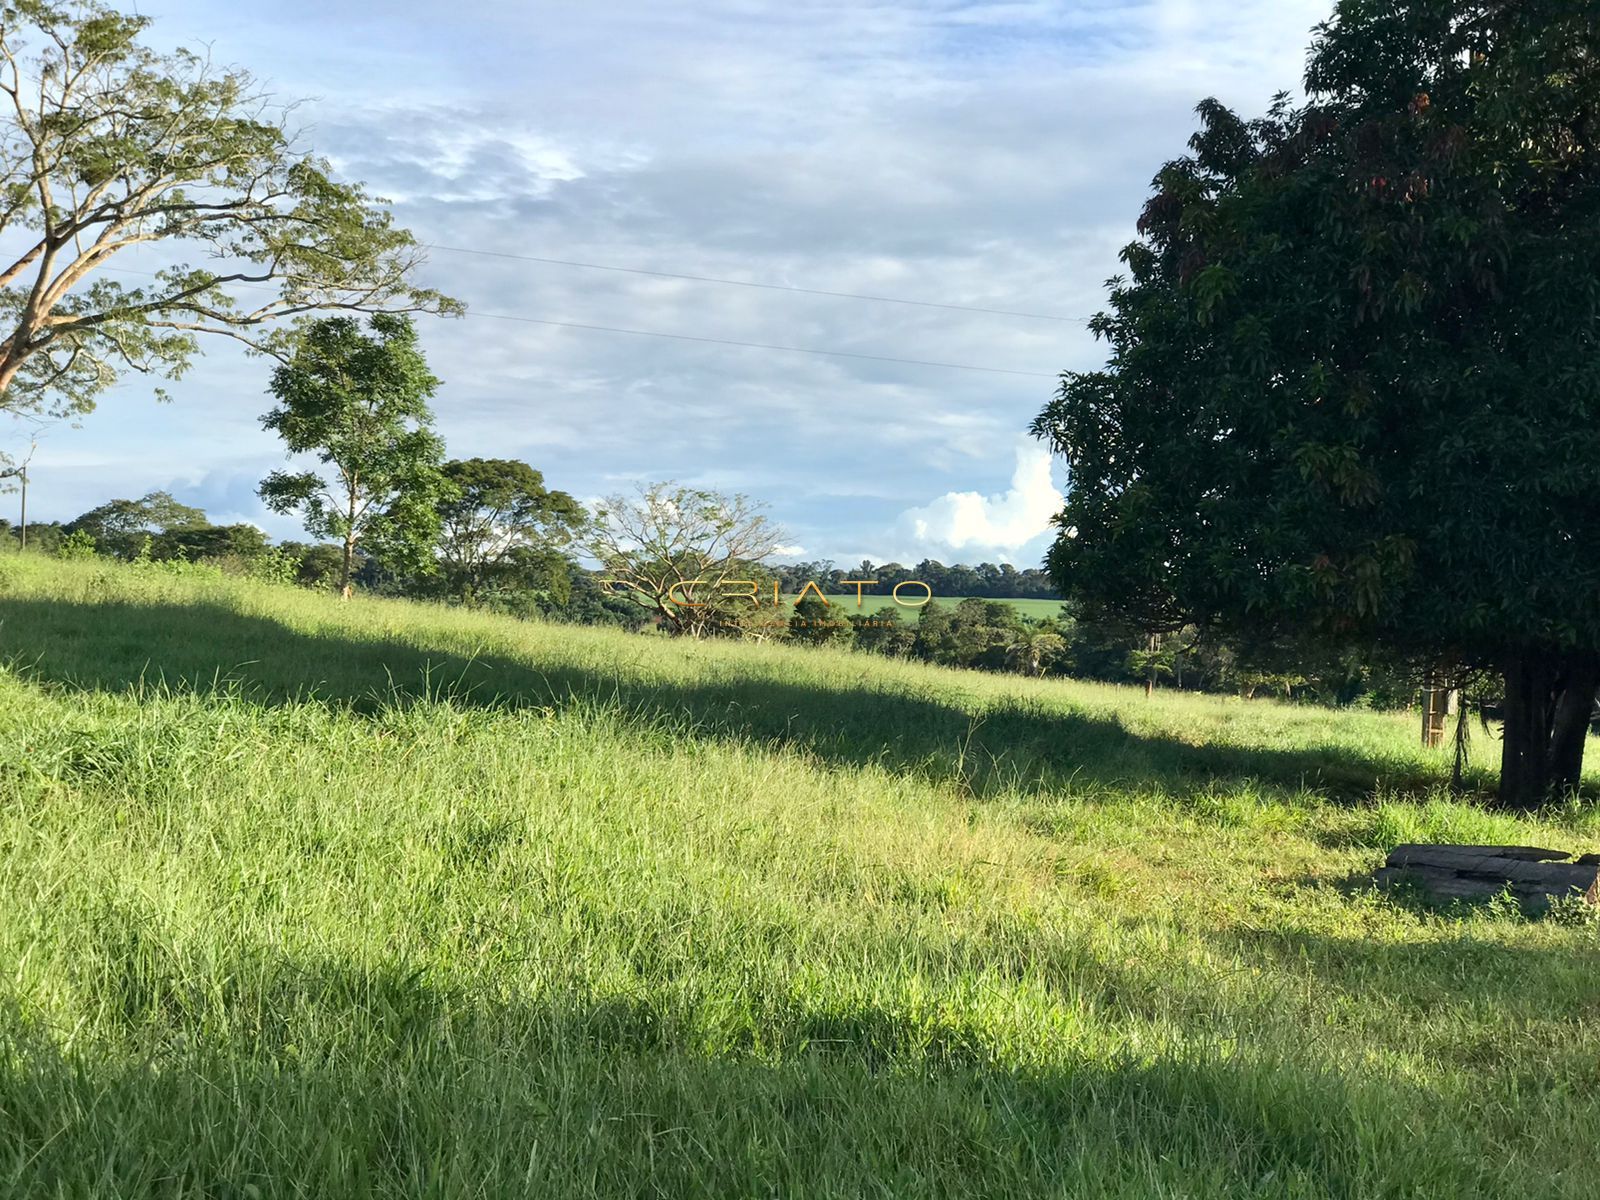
(308, 899)
(1034, 610)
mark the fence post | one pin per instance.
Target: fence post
(1438, 705)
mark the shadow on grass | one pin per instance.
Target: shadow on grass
(115, 646)
(270, 1077)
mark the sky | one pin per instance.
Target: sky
(954, 152)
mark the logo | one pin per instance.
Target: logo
(681, 593)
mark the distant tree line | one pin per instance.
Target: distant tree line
(994, 581)
(507, 543)
(992, 635)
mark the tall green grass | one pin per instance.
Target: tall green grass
(311, 899)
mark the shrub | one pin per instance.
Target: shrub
(79, 544)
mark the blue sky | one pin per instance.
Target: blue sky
(985, 154)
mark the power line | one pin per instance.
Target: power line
(687, 337)
(771, 287)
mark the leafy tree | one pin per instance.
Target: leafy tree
(882, 631)
(593, 604)
(359, 402)
(239, 541)
(1153, 660)
(106, 145)
(121, 527)
(816, 621)
(78, 545)
(504, 530)
(1354, 376)
(675, 548)
(975, 633)
(935, 639)
(43, 537)
(1033, 650)
(317, 567)
(981, 631)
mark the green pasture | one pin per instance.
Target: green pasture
(311, 899)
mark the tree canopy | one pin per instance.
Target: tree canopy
(674, 548)
(502, 529)
(120, 527)
(1354, 388)
(107, 146)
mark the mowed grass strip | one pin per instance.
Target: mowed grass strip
(376, 899)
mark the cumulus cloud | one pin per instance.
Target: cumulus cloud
(970, 526)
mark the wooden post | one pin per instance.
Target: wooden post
(21, 472)
(1438, 706)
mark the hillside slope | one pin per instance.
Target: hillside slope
(311, 899)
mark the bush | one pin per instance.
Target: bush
(79, 544)
(272, 565)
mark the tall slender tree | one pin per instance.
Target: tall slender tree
(359, 402)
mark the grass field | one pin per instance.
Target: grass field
(319, 900)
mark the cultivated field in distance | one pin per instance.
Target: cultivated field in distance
(1032, 609)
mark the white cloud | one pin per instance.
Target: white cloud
(969, 526)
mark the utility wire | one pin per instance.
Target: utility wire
(689, 337)
(771, 287)
(686, 337)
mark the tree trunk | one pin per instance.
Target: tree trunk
(352, 496)
(345, 587)
(1570, 726)
(1548, 705)
(1458, 768)
(1524, 757)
